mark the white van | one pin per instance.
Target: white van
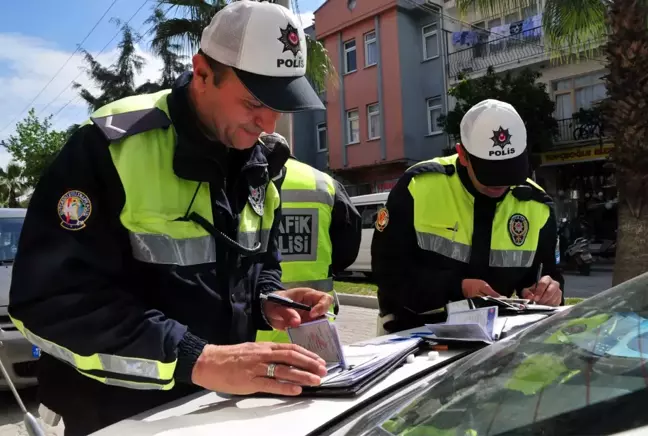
(368, 206)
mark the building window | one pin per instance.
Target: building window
(353, 127)
(576, 93)
(322, 139)
(371, 49)
(373, 121)
(433, 113)
(430, 42)
(350, 62)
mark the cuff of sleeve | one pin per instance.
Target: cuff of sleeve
(260, 320)
(189, 349)
(456, 292)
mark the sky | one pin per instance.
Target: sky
(38, 62)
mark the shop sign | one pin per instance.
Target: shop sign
(386, 185)
(577, 154)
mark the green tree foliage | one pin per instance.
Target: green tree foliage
(12, 185)
(34, 146)
(521, 90)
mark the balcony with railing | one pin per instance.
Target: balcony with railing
(577, 130)
(489, 49)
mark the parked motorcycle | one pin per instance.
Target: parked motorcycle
(578, 255)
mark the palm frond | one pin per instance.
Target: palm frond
(488, 8)
(184, 33)
(319, 66)
(574, 28)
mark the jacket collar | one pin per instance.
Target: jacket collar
(200, 159)
(462, 171)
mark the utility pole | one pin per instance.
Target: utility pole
(284, 123)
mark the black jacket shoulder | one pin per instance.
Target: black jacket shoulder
(277, 152)
(115, 127)
(429, 167)
(529, 191)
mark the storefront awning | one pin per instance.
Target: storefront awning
(576, 155)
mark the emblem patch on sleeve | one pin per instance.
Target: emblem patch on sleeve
(74, 209)
(382, 219)
(257, 199)
(518, 226)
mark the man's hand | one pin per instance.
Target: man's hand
(242, 369)
(281, 317)
(477, 288)
(547, 292)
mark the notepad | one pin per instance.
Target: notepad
(477, 325)
(320, 337)
(353, 365)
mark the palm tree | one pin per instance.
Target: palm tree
(569, 25)
(12, 185)
(184, 31)
(167, 51)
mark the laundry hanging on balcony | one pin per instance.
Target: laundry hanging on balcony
(464, 38)
(532, 27)
(498, 36)
(516, 28)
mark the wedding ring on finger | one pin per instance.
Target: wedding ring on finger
(270, 372)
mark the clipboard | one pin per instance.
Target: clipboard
(510, 306)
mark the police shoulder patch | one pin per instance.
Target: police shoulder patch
(382, 219)
(257, 199)
(518, 226)
(74, 209)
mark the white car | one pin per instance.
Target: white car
(18, 355)
(368, 207)
(560, 376)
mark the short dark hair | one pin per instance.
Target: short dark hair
(219, 70)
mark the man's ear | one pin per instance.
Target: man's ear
(462, 155)
(201, 71)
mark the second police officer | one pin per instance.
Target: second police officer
(320, 229)
(467, 225)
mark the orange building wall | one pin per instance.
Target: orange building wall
(334, 15)
(361, 89)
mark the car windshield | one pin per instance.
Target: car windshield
(9, 234)
(582, 371)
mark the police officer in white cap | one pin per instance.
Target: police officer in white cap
(471, 224)
(150, 244)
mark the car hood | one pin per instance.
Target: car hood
(212, 413)
(5, 283)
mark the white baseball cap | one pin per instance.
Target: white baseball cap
(494, 135)
(265, 45)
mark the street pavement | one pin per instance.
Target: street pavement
(354, 324)
(577, 286)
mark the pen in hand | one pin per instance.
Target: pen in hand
(287, 302)
(539, 276)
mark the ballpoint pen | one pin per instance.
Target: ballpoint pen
(287, 302)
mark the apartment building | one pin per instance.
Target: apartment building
(382, 115)
(574, 170)
(514, 40)
(309, 132)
